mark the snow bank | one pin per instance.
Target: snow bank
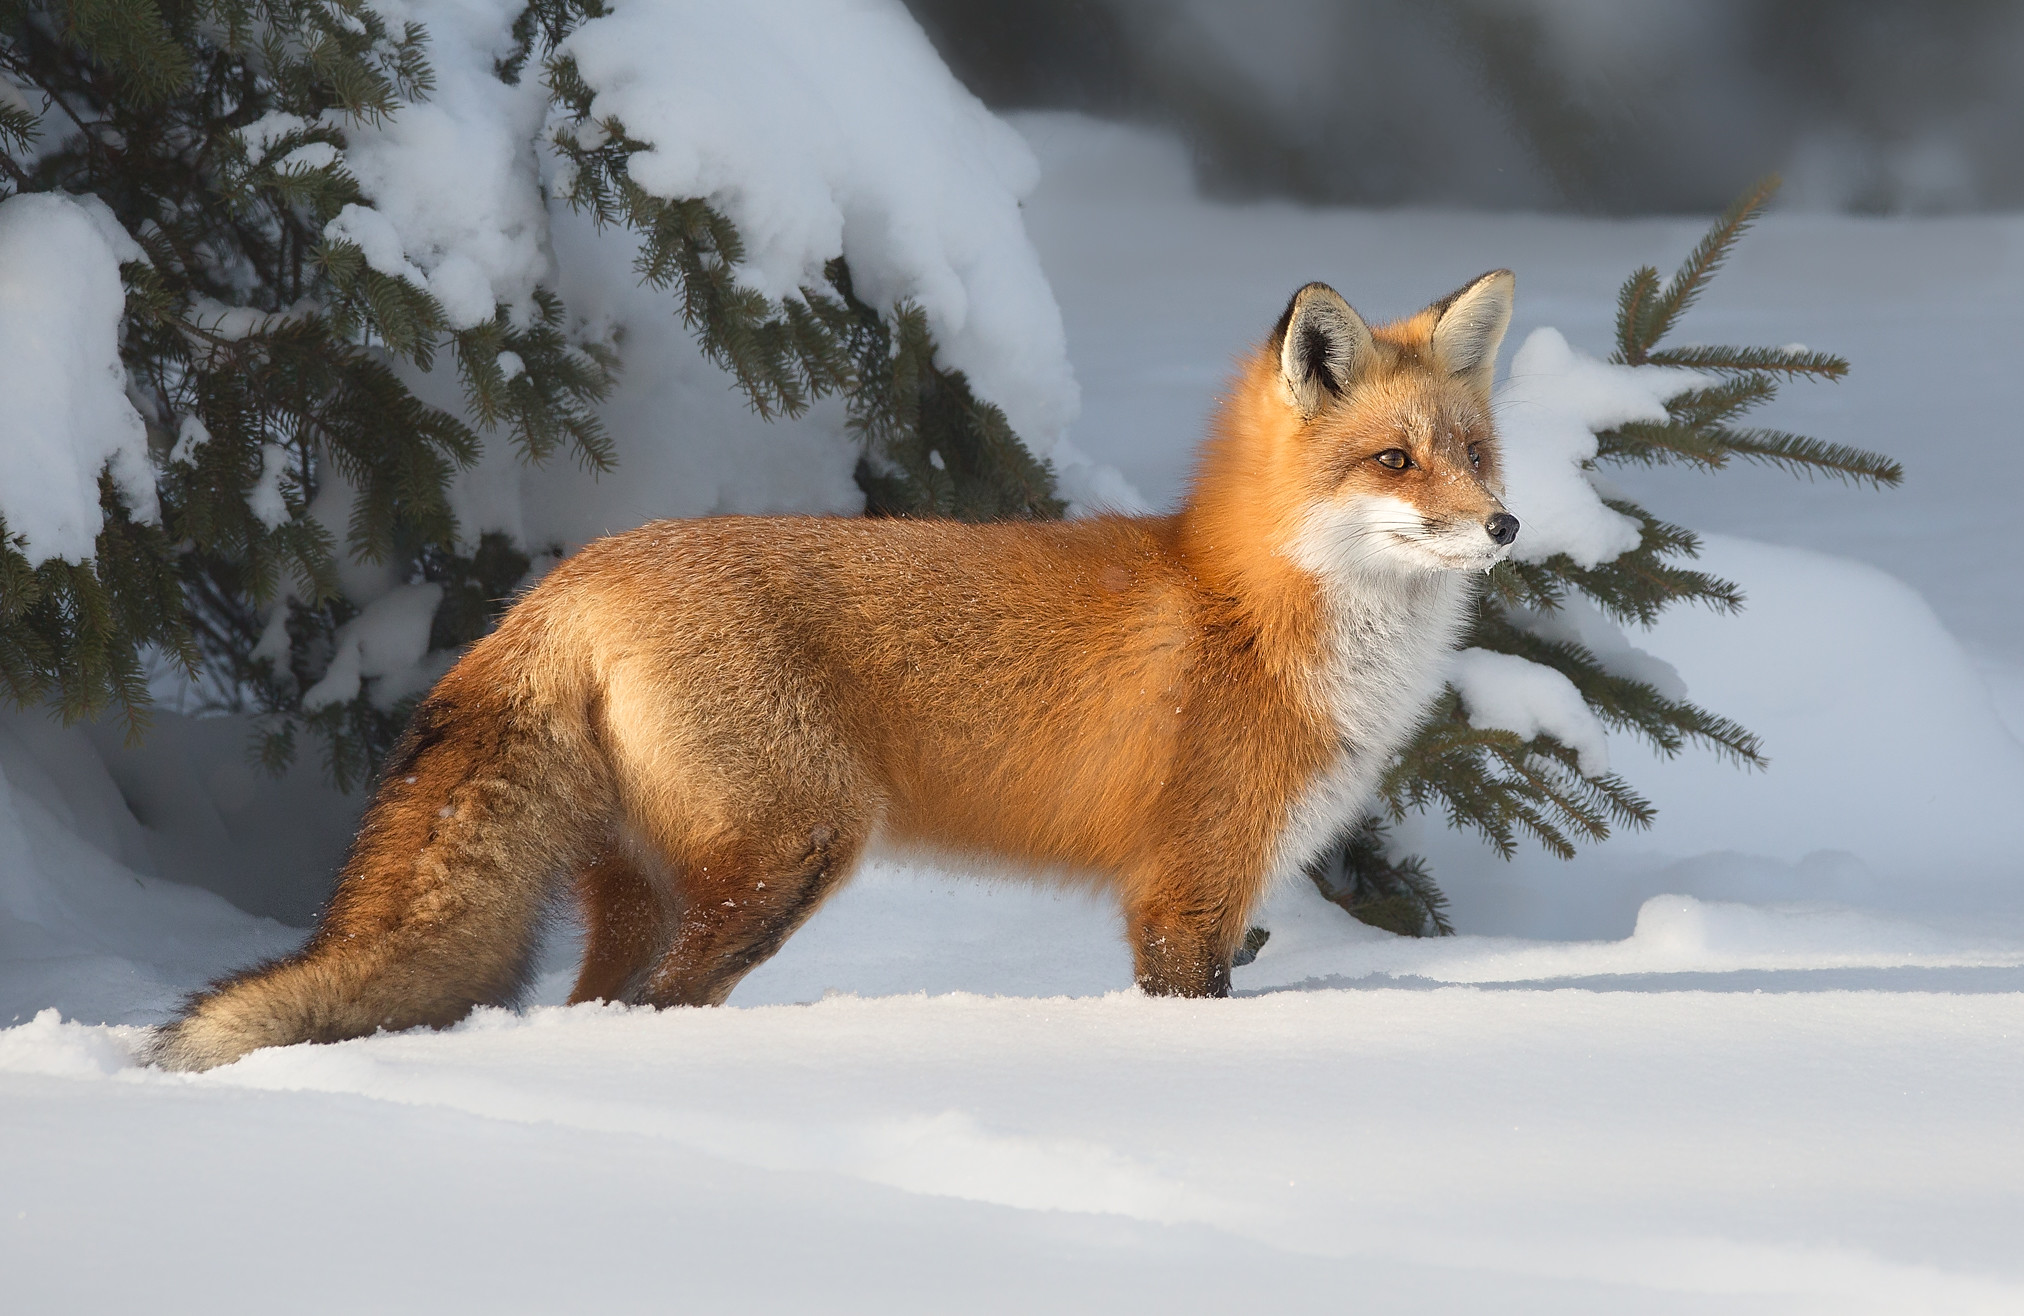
(65, 415)
(1315, 943)
(85, 926)
(1880, 731)
(1892, 780)
(1455, 1149)
(827, 129)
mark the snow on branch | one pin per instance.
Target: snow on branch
(1503, 692)
(66, 415)
(1549, 410)
(823, 130)
(456, 202)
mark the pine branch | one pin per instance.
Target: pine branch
(1654, 316)
(244, 323)
(1804, 456)
(1639, 292)
(1722, 402)
(1397, 895)
(931, 446)
(1780, 360)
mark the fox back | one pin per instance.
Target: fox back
(699, 727)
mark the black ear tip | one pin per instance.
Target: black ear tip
(1301, 294)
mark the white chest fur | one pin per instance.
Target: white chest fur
(1390, 632)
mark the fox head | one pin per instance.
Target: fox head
(1372, 449)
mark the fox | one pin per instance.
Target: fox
(697, 729)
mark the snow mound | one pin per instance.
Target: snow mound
(1315, 942)
(64, 414)
(85, 926)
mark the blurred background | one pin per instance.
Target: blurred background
(1591, 106)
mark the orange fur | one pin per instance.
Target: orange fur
(705, 723)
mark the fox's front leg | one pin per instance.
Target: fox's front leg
(1185, 925)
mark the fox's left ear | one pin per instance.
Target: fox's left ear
(1322, 344)
(1469, 325)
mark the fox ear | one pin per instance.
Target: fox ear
(1322, 344)
(1469, 325)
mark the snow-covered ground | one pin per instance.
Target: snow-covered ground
(1768, 1056)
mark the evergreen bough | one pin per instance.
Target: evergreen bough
(248, 338)
(1504, 786)
(931, 446)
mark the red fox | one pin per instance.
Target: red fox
(703, 724)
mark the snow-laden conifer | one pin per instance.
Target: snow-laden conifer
(321, 204)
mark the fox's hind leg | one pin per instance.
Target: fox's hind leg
(626, 897)
(741, 904)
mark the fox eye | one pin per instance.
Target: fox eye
(1395, 458)
(1475, 455)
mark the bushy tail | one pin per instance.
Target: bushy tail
(487, 802)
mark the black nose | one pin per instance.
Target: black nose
(1503, 527)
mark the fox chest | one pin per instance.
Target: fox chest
(1386, 660)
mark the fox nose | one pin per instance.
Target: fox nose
(1503, 527)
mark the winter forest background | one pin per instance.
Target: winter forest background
(326, 326)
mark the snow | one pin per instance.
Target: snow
(388, 640)
(1503, 692)
(191, 434)
(457, 207)
(1578, 621)
(377, 239)
(308, 157)
(66, 418)
(266, 132)
(234, 323)
(1761, 1057)
(1009, 1154)
(265, 499)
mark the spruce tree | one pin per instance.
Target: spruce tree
(1504, 786)
(253, 340)
(211, 128)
